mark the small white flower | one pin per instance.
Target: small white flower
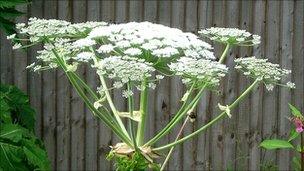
(81, 43)
(127, 93)
(105, 48)
(17, 46)
(11, 36)
(269, 87)
(133, 51)
(291, 85)
(159, 77)
(84, 56)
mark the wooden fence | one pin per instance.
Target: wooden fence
(76, 141)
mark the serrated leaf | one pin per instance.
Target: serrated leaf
(12, 132)
(293, 134)
(11, 3)
(10, 13)
(4, 112)
(12, 157)
(36, 156)
(275, 144)
(294, 111)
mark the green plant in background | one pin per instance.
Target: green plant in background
(20, 149)
(136, 56)
(296, 133)
(8, 13)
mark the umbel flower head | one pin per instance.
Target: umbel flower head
(200, 71)
(231, 36)
(263, 70)
(149, 41)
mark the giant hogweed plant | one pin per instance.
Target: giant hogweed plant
(136, 56)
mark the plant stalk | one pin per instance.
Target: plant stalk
(131, 109)
(172, 148)
(302, 152)
(143, 113)
(234, 104)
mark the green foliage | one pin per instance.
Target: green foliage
(134, 162)
(295, 111)
(20, 149)
(293, 134)
(275, 144)
(15, 107)
(8, 13)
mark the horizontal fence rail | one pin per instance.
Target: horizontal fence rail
(76, 141)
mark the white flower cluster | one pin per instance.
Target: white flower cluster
(39, 29)
(201, 71)
(231, 36)
(157, 40)
(123, 69)
(263, 70)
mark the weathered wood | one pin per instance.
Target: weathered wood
(270, 98)
(243, 116)
(231, 91)
(176, 90)
(256, 97)
(203, 115)
(285, 94)
(49, 97)
(77, 105)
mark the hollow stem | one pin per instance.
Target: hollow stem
(100, 114)
(143, 113)
(224, 54)
(234, 104)
(111, 104)
(131, 109)
(172, 148)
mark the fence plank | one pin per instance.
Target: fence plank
(203, 114)
(285, 94)
(256, 97)
(77, 105)
(49, 97)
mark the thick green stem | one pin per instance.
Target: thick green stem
(112, 106)
(143, 113)
(234, 104)
(175, 119)
(172, 148)
(131, 109)
(224, 54)
(103, 116)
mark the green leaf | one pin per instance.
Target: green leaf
(5, 116)
(10, 13)
(11, 3)
(296, 163)
(275, 144)
(294, 111)
(12, 132)
(293, 134)
(12, 157)
(36, 156)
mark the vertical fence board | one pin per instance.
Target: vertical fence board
(243, 118)
(270, 105)
(190, 21)
(49, 97)
(285, 94)
(176, 90)
(203, 114)
(216, 140)
(77, 105)
(231, 91)
(256, 97)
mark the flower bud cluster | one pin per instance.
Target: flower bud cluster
(124, 69)
(261, 69)
(201, 71)
(232, 36)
